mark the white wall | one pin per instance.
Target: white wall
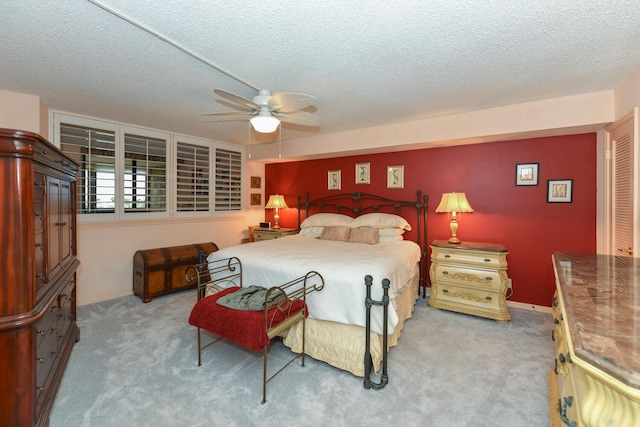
(23, 112)
(628, 94)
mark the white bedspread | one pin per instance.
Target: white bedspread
(343, 266)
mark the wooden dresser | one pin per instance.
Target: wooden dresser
(37, 275)
(595, 379)
(470, 278)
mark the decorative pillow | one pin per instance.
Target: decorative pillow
(390, 239)
(364, 235)
(380, 220)
(314, 232)
(326, 219)
(335, 233)
(391, 232)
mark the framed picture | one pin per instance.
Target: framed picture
(559, 191)
(363, 175)
(256, 182)
(256, 199)
(334, 180)
(527, 173)
(395, 177)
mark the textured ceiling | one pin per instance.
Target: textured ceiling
(367, 62)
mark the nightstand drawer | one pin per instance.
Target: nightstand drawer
(259, 234)
(469, 277)
(468, 296)
(472, 258)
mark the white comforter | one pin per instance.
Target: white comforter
(342, 265)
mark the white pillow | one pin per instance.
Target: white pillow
(380, 220)
(391, 232)
(326, 219)
(314, 232)
(389, 239)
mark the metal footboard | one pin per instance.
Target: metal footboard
(368, 363)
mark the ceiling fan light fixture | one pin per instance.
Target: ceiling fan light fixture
(265, 124)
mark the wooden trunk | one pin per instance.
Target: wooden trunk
(161, 271)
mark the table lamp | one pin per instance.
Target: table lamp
(276, 201)
(454, 203)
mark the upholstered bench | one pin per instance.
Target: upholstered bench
(283, 306)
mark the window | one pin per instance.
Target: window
(94, 151)
(131, 173)
(145, 174)
(192, 177)
(228, 180)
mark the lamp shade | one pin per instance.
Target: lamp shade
(276, 201)
(454, 202)
(264, 122)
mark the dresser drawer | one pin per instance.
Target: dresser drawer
(469, 277)
(472, 258)
(467, 296)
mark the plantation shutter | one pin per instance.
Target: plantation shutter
(145, 174)
(192, 178)
(94, 150)
(228, 170)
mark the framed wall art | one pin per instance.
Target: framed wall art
(256, 182)
(559, 191)
(334, 180)
(527, 173)
(363, 174)
(395, 177)
(256, 199)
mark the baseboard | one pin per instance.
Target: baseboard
(104, 297)
(532, 307)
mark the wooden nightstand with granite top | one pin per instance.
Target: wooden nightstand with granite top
(470, 278)
(272, 233)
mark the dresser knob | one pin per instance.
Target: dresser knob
(488, 298)
(445, 272)
(40, 276)
(447, 256)
(41, 331)
(489, 278)
(40, 359)
(487, 260)
(561, 358)
(445, 291)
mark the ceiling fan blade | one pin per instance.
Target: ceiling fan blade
(300, 118)
(229, 113)
(290, 102)
(236, 98)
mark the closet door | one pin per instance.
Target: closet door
(622, 183)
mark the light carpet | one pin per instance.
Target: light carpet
(136, 365)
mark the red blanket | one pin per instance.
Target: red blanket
(245, 327)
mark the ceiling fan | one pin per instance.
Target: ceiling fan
(267, 109)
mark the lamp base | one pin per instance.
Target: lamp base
(275, 227)
(454, 240)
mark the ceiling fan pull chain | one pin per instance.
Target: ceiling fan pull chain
(249, 140)
(280, 138)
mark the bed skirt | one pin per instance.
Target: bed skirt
(343, 346)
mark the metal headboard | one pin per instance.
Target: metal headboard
(358, 203)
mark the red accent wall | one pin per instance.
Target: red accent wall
(517, 216)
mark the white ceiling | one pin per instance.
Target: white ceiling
(368, 62)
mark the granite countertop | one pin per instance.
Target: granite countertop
(601, 295)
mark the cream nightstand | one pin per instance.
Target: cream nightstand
(272, 233)
(470, 278)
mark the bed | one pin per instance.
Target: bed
(344, 238)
